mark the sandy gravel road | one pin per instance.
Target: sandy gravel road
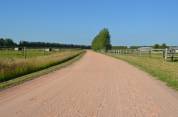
(95, 86)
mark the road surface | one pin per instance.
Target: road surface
(95, 86)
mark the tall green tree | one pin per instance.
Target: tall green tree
(102, 41)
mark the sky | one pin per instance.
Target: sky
(130, 22)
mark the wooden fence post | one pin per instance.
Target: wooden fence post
(140, 53)
(165, 53)
(150, 52)
(25, 54)
(172, 55)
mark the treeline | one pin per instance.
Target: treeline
(127, 47)
(102, 41)
(162, 46)
(119, 47)
(6, 42)
(52, 45)
(155, 46)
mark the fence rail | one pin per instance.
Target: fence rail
(167, 54)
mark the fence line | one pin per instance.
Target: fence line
(24, 52)
(165, 53)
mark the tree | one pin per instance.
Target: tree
(156, 46)
(7, 42)
(102, 41)
(163, 46)
(1, 42)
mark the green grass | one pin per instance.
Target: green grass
(16, 67)
(31, 76)
(20, 54)
(156, 66)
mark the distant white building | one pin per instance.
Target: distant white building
(145, 49)
(48, 49)
(18, 49)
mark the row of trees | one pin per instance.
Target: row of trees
(119, 47)
(6, 42)
(155, 46)
(102, 41)
(158, 46)
(57, 45)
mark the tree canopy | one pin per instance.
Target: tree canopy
(158, 46)
(52, 45)
(6, 42)
(102, 40)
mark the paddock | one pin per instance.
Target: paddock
(168, 54)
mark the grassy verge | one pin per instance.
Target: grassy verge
(156, 66)
(61, 64)
(13, 68)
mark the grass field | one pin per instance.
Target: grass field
(29, 53)
(13, 65)
(155, 65)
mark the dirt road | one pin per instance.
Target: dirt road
(95, 86)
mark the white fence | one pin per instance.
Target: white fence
(171, 53)
(167, 54)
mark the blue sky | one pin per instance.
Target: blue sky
(131, 22)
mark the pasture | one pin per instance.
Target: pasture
(14, 64)
(154, 64)
(28, 53)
